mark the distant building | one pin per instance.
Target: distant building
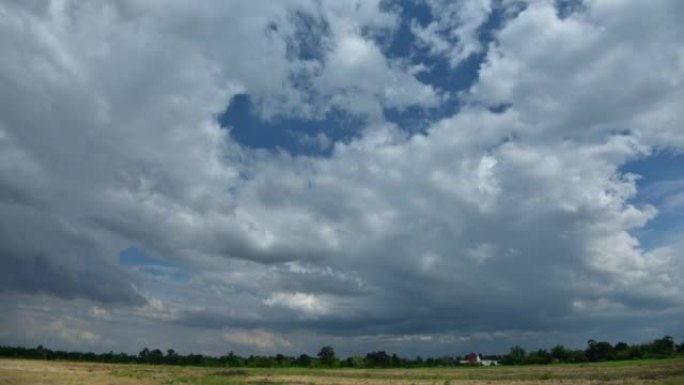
(471, 359)
(475, 359)
(489, 362)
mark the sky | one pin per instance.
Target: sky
(422, 177)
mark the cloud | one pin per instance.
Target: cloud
(259, 339)
(74, 336)
(511, 217)
(38, 320)
(310, 305)
(606, 69)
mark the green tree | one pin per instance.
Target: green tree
(604, 351)
(591, 353)
(663, 347)
(621, 350)
(327, 355)
(171, 357)
(356, 361)
(515, 357)
(578, 356)
(144, 355)
(282, 360)
(539, 357)
(560, 353)
(378, 360)
(303, 361)
(156, 356)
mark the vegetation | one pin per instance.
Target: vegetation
(633, 372)
(596, 351)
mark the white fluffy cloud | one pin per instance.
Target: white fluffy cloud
(615, 67)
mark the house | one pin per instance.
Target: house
(489, 362)
(475, 359)
(471, 359)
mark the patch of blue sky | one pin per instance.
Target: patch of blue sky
(316, 136)
(137, 258)
(661, 184)
(566, 8)
(298, 136)
(401, 43)
(659, 166)
(438, 72)
(439, 75)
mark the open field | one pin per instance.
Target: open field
(25, 372)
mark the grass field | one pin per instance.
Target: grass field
(29, 372)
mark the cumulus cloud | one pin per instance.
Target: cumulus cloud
(511, 217)
(308, 304)
(606, 69)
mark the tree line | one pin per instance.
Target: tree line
(594, 352)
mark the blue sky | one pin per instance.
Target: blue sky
(657, 172)
(250, 129)
(422, 177)
(289, 134)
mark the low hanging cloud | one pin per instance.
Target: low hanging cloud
(511, 218)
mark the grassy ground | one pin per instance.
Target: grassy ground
(654, 372)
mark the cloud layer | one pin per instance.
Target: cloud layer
(510, 221)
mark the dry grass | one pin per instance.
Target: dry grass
(20, 372)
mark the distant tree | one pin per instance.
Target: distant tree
(282, 360)
(356, 361)
(303, 361)
(621, 346)
(539, 357)
(193, 359)
(515, 357)
(599, 351)
(144, 356)
(591, 350)
(622, 351)
(561, 354)
(637, 351)
(171, 357)
(327, 355)
(41, 352)
(445, 361)
(378, 360)
(578, 356)
(663, 347)
(261, 362)
(156, 357)
(232, 360)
